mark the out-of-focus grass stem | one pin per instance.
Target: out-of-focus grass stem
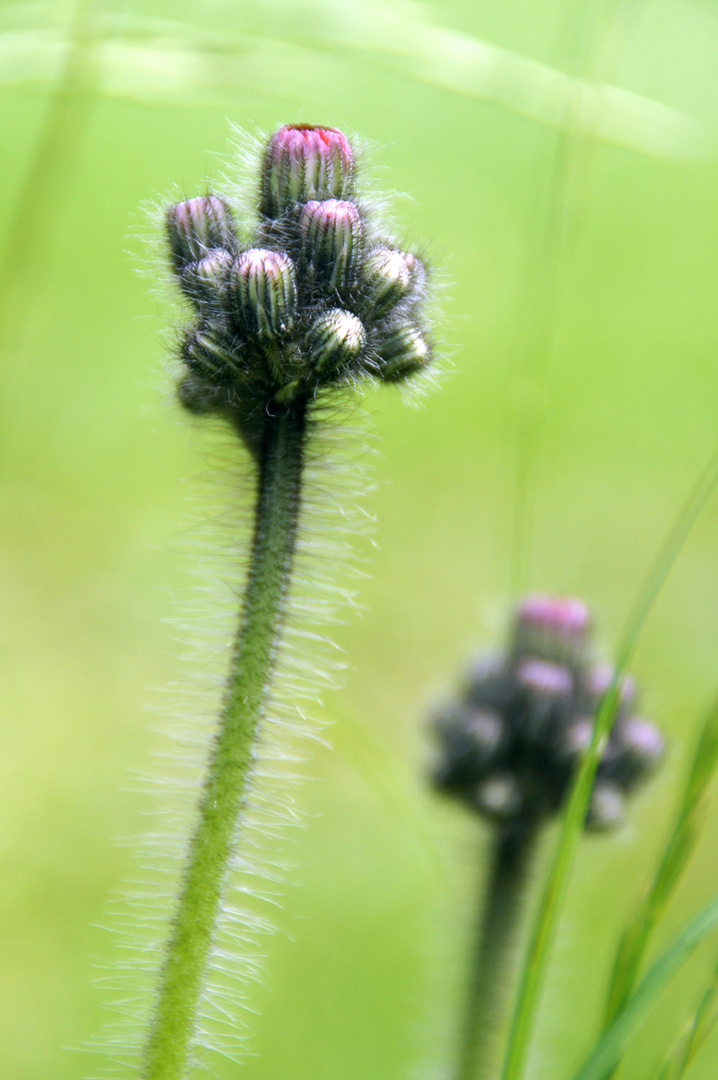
(681, 843)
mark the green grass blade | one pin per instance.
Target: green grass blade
(696, 1033)
(204, 65)
(551, 904)
(612, 1044)
(43, 191)
(681, 844)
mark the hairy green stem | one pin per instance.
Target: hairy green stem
(169, 1044)
(513, 850)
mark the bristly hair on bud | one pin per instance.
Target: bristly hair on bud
(542, 698)
(317, 299)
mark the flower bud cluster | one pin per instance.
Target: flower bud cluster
(510, 744)
(316, 299)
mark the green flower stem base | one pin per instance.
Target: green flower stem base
(513, 850)
(167, 1053)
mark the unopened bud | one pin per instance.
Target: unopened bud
(206, 281)
(470, 741)
(606, 810)
(264, 292)
(550, 682)
(388, 275)
(485, 732)
(573, 741)
(403, 352)
(639, 748)
(499, 797)
(599, 679)
(332, 233)
(545, 687)
(304, 162)
(552, 628)
(196, 226)
(335, 341)
(208, 355)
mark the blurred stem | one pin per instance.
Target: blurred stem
(281, 458)
(513, 850)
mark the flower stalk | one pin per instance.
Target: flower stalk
(278, 325)
(277, 512)
(500, 908)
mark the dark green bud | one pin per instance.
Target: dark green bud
(388, 275)
(209, 356)
(403, 352)
(264, 292)
(206, 281)
(332, 234)
(196, 226)
(335, 341)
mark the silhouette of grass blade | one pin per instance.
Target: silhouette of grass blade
(681, 844)
(606, 1055)
(699, 1028)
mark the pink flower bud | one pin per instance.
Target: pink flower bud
(304, 162)
(574, 740)
(206, 281)
(196, 226)
(331, 233)
(600, 677)
(544, 681)
(335, 341)
(552, 628)
(639, 747)
(264, 293)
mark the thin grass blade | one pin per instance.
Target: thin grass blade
(696, 1033)
(175, 60)
(611, 1046)
(681, 844)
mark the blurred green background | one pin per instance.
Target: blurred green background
(574, 229)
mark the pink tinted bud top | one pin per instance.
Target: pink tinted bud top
(303, 162)
(545, 680)
(196, 226)
(562, 615)
(331, 232)
(554, 628)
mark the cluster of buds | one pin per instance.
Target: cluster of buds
(315, 299)
(510, 744)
